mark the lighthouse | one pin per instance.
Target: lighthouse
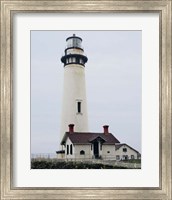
(74, 105)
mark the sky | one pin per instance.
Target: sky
(113, 85)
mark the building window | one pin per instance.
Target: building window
(91, 147)
(132, 156)
(124, 149)
(117, 157)
(82, 152)
(125, 157)
(79, 107)
(100, 146)
(108, 151)
(71, 149)
(67, 149)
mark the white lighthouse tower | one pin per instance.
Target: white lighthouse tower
(74, 108)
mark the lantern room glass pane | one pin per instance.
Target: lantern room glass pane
(73, 42)
(69, 43)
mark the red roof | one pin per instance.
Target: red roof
(87, 138)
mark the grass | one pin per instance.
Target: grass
(132, 161)
(55, 164)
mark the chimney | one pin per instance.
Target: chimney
(71, 128)
(106, 131)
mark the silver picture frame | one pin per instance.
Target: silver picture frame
(8, 10)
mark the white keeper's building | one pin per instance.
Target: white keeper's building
(87, 145)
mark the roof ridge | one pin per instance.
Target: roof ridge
(89, 132)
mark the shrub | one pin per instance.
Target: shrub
(55, 164)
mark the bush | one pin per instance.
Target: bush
(55, 164)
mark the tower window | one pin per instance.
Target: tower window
(77, 60)
(73, 59)
(79, 107)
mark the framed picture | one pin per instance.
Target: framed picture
(125, 50)
(87, 111)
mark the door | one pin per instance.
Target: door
(96, 149)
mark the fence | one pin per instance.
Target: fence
(43, 155)
(118, 163)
